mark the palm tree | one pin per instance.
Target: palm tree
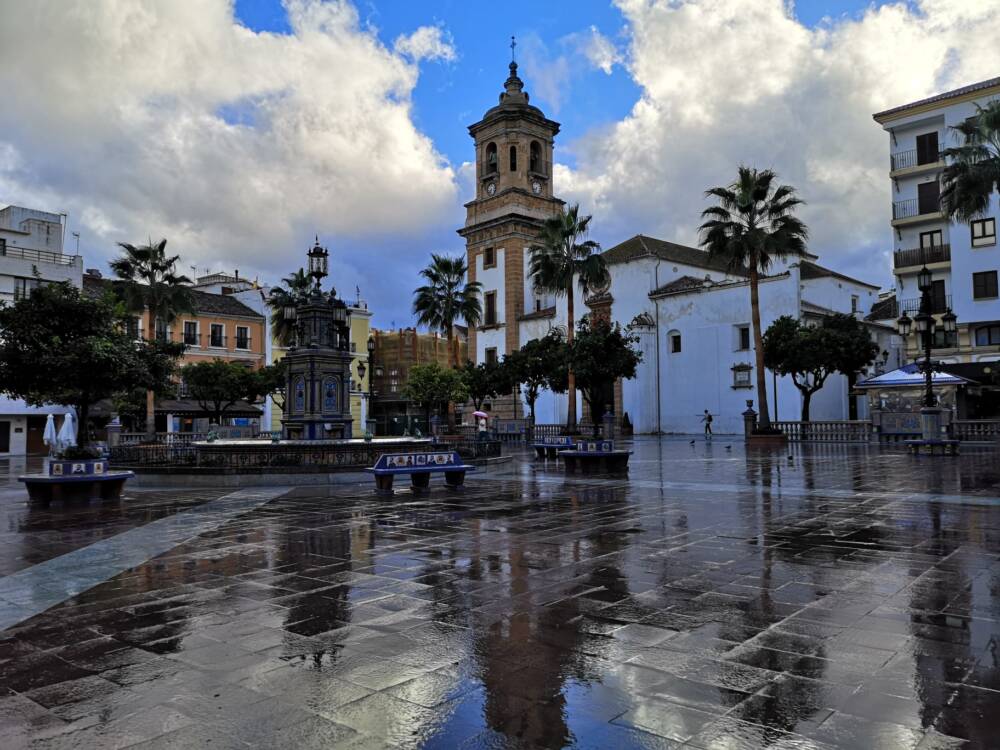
(294, 292)
(750, 227)
(561, 258)
(443, 300)
(973, 172)
(147, 280)
(446, 298)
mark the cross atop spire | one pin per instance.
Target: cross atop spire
(513, 44)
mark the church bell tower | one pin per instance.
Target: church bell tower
(514, 196)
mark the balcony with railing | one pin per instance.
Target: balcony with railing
(913, 210)
(36, 256)
(940, 303)
(914, 158)
(922, 256)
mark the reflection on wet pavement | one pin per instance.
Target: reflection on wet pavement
(836, 597)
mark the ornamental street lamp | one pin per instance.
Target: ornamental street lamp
(926, 326)
(319, 262)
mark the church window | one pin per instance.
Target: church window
(300, 395)
(489, 257)
(490, 314)
(513, 158)
(675, 342)
(329, 395)
(535, 160)
(491, 158)
(491, 355)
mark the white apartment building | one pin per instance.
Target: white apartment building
(963, 258)
(31, 253)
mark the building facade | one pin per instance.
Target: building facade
(31, 253)
(395, 353)
(690, 313)
(514, 142)
(963, 257)
(221, 327)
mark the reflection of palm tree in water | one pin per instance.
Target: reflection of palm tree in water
(526, 659)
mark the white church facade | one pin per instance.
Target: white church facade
(689, 312)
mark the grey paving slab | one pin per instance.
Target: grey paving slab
(33, 590)
(821, 597)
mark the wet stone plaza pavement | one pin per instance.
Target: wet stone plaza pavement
(820, 597)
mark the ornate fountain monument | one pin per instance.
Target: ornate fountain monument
(317, 394)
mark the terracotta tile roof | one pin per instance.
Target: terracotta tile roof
(970, 89)
(641, 246)
(679, 285)
(809, 270)
(204, 302)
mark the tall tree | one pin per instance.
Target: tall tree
(563, 257)
(59, 347)
(600, 354)
(294, 292)
(752, 225)
(486, 380)
(148, 280)
(432, 385)
(972, 176)
(445, 299)
(540, 363)
(809, 354)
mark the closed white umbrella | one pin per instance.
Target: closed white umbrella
(67, 433)
(49, 436)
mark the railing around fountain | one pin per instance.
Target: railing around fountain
(828, 431)
(977, 430)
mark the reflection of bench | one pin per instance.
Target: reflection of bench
(46, 487)
(550, 447)
(419, 466)
(949, 447)
(595, 455)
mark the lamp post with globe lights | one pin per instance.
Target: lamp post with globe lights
(925, 325)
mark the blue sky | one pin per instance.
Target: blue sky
(452, 95)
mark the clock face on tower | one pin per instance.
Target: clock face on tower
(491, 188)
(536, 187)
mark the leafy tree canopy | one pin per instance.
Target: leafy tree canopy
(432, 385)
(486, 380)
(809, 354)
(219, 385)
(540, 363)
(599, 355)
(59, 347)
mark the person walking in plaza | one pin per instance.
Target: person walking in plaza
(707, 419)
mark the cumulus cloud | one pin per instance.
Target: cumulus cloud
(426, 43)
(172, 119)
(726, 82)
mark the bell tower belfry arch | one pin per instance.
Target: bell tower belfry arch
(514, 195)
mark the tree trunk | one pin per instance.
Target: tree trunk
(806, 398)
(453, 358)
(763, 414)
(150, 414)
(852, 401)
(571, 379)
